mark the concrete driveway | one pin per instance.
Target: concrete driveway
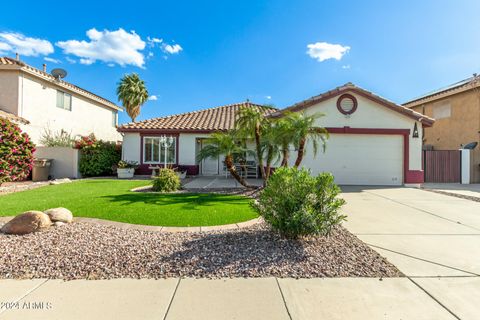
(432, 238)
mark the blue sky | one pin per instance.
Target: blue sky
(219, 52)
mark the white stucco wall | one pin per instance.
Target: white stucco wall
(65, 161)
(38, 104)
(131, 147)
(9, 91)
(371, 115)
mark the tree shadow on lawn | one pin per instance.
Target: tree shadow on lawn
(239, 253)
(188, 201)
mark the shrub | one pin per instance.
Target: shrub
(296, 204)
(56, 139)
(97, 157)
(16, 152)
(167, 181)
(122, 164)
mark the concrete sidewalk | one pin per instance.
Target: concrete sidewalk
(264, 298)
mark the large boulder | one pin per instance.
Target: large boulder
(60, 215)
(27, 222)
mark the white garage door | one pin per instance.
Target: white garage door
(357, 159)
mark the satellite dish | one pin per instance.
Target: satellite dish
(59, 73)
(470, 146)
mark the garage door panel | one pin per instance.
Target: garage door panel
(360, 159)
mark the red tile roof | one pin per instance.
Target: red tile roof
(350, 87)
(213, 119)
(6, 61)
(12, 117)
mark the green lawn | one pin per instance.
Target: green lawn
(111, 200)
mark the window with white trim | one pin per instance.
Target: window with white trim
(64, 100)
(154, 151)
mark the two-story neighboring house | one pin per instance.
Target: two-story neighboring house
(44, 102)
(456, 110)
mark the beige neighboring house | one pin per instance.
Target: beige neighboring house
(456, 110)
(38, 101)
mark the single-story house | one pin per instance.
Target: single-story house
(372, 141)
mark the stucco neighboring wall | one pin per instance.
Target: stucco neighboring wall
(38, 104)
(131, 147)
(65, 161)
(9, 91)
(460, 128)
(371, 115)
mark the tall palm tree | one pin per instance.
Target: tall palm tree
(305, 130)
(226, 144)
(132, 92)
(249, 123)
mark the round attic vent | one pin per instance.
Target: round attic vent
(347, 104)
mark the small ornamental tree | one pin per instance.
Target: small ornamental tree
(16, 152)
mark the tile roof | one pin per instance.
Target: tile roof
(350, 87)
(457, 87)
(6, 61)
(12, 117)
(212, 119)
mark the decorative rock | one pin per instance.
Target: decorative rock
(58, 223)
(27, 222)
(60, 214)
(60, 181)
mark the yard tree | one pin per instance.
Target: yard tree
(225, 144)
(305, 131)
(133, 93)
(250, 122)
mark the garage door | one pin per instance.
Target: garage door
(356, 159)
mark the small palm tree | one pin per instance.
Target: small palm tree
(270, 147)
(284, 136)
(249, 123)
(305, 130)
(132, 92)
(224, 144)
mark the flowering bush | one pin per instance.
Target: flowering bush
(97, 157)
(16, 152)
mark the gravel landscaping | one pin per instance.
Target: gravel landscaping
(88, 251)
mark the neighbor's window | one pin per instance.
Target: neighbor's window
(154, 151)
(64, 100)
(114, 119)
(442, 110)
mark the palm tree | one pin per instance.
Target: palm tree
(226, 144)
(305, 130)
(284, 136)
(270, 146)
(249, 123)
(131, 91)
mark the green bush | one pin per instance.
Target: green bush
(167, 181)
(97, 157)
(16, 152)
(296, 204)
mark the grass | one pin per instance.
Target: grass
(111, 200)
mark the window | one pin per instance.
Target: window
(442, 110)
(114, 118)
(64, 100)
(154, 151)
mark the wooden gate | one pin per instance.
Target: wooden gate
(442, 166)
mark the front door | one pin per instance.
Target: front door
(210, 166)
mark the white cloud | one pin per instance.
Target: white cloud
(70, 60)
(268, 97)
(172, 49)
(119, 46)
(323, 51)
(27, 46)
(153, 41)
(347, 66)
(153, 98)
(52, 60)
